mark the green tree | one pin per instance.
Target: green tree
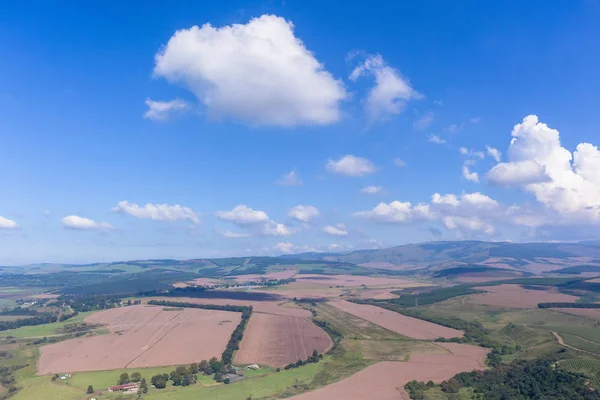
(124, 378)
(143, 386)
(90, 389)
(135, 377)
(194, 368)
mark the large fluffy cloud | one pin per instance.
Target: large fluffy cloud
(396, 211)
(391, 91)
(85, 224)
(303, 213)
(6, 223)
(257, 223)
(258, 72)
(157, 212)
(350, 165)
(564, 182)
(337, 230)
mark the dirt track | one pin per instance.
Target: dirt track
(386, 380)
(396, 322)
(142, 336)
(277, 340)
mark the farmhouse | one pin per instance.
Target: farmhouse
(126, 388)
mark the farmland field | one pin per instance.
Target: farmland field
(142, 336)
(277, 340)
(515, 296)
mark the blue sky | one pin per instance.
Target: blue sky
(127, 133)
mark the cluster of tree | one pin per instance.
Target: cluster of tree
(91, 302)
(181, 304)
(37, 319)
(569, 305)
(184, 376)
(433, 296)
(8, 381)
(18, 311)
(236, 337)
(135, 377)
(520, 380)
(314, 358)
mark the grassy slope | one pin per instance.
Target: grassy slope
(43, 330)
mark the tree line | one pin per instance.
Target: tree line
(314, 358)
(39, 319)
(569, 305)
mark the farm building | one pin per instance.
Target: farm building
(126, 388)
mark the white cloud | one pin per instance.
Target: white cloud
(243, 215)
(494, 153)
(473, 224)
(396, 211)
(371, 190)
(338, 230)
(398, 162)
(303, 213)
(471, 153)
(464, 151)
(424, 122)
(436, 139)
(468, 175)
(85, 224)
(564, 182)
(258, 72)
(161, 110)
(6, 223)
(292, 178)
(391, 91)
(350, 165)
(157, 212)
(233, 235)
(290, 248)
(272, 228)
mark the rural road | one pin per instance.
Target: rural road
(561, 341)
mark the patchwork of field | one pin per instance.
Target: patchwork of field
(142, 336)
(278, 340)
(515, 296)
(591, 313)
(354, 280)
(265, 307)
(378, 294)
(283, 274)
(396, 322)
(386, 380)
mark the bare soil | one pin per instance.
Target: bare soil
(142, 336)
(352, 280)
(265, 307)
(278, 340)
(515, 296)
(386, 380)
(396, 322)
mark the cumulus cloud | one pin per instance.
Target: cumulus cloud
(161, 110)
(371, 190)
(396, 211)
(258, 72)
(233, 235)
(272, 228)
(493, 152)
(468, 175)
(157, 212)
(243, 215)
(85, 224)
(350, 165)
(398, 162)
(567, 183)
(472, 153)
(6, 223)
(290, 248)
(436, 139)
(463, 224)
(303, 213)
(390, 93)
(337, 230)
(424, 122)
(292, 178)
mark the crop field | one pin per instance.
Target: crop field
(142, 336)
(278, 340)
(353, 327)
(386, 380)
(392, 350)
(515, 296)
(587, 366)
(354, 280)
(401, 324)
(590, 313)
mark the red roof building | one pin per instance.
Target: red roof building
(123, 388)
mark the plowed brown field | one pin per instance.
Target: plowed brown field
(142, 336)
(277, 340)
(407, 326)
(515, 296)
(386, 380)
